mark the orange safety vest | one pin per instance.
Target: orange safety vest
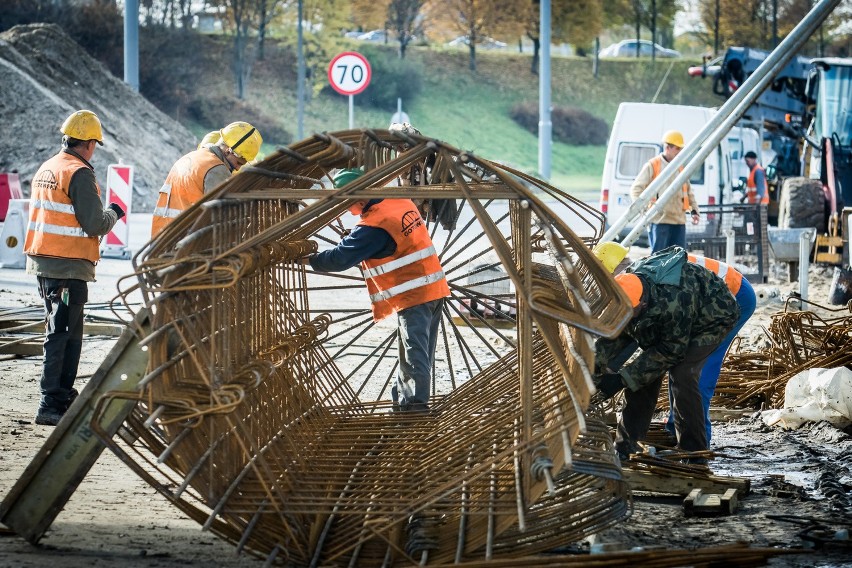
(53, 228)
(751, 187)
(184, 186)
(657, 167)
(733, 278)
(413, 274)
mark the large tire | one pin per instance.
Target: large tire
(802, 204)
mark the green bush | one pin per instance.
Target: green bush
(392, 78)
(571, 125)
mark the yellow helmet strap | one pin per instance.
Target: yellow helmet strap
(244, 138)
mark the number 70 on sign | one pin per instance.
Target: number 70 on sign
(349, 73)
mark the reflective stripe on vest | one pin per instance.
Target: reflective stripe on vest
(732, 277)
(412, 275)
(657, 167)
(406, 286)
(184, 186)
(751, 187)
(399, 262)
(53, 229)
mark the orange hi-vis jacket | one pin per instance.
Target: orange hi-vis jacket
(413, 274)
(733, 278)
(657, 166)
(53, 228)
(751, 187)
(184, 186)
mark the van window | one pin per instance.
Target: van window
(697, 177)
(632, 156)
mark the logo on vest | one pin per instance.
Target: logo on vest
(410, 221)
(45, 181)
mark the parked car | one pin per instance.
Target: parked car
(481, 43)
(627, 48)
(374, 35)
(353, 34)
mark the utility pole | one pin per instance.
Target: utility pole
(131, 44)
(545, 127)
(716, 30)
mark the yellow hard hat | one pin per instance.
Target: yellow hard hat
(210, 138)
(243, 139)
(674, 138)
(610, 254)
(83, 125)
(632, 286)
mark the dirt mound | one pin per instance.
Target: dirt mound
(44, 77)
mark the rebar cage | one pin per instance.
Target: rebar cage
(264, 411)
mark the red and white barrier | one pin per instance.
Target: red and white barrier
(10, 188)
(119, 190)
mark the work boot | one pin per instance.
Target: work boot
(48, 417)
(72, 395)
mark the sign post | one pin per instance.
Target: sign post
(349, 74)
(119, 191)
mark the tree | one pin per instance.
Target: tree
(404, 19)
(243, 16)
(479, 19)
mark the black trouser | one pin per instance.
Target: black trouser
(686, 405)
(63, 306)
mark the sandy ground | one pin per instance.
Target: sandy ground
(114, 518)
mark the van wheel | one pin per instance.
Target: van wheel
(802, 204)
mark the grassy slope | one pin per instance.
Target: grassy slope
(471, 111)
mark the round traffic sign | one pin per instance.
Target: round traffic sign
(349, 73)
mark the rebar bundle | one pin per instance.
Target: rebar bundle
(799, 340)
(264, 415)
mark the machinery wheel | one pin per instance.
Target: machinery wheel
(802, 204)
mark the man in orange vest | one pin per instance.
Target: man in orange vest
(66, 218)
(756, 190)
(203, 169)
(404, 277)
(669, 226)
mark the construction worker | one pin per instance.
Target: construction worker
(682, 312)
(66, 218)
(756, 190)
(669, 226)
(210, 139)
(403, 275)
(614, 258)
(203, 169)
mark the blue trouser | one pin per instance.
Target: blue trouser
(63, 306)
(747, 301)
(664, 235)
(418, 336)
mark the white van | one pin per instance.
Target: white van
(636, 137)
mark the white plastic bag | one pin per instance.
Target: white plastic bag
(814, 395)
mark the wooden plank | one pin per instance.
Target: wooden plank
(72, 448)
(700, 503)
(89, 328)
(20, 346)
(682, 484)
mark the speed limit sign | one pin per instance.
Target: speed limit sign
(349, 73)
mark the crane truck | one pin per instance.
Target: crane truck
(805, 120)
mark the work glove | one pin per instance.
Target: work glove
(609, 384)
(119, 212)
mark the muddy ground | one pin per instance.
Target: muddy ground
(115, 519)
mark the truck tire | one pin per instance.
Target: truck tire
(802, 204)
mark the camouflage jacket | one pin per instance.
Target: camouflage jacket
(697, 312)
